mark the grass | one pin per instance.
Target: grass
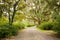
(50, 32)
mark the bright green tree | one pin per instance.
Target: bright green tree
(11, 7)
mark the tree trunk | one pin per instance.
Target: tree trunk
(14, 11)
(39, 21)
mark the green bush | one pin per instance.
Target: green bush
(19, 25)
(46, 25)
(30, 24)
(7, 31)
(56, 27)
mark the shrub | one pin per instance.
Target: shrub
(27, 23)
(46, 25)
(7, 31)
(30, 24)
(56, 28)
(19, 25)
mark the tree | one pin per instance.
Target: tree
(10, 7)
(41, 10)
(38, 10)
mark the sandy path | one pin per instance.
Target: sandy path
(33, 34)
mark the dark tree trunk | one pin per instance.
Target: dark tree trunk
(14, 11)
(13, 16)
(39, 21)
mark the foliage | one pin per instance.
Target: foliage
(56, 28)
(3, 20)
(10, 7)
(19, 25)
(6, 30)
(57, 24)
(30, 24)
(46, 25)
(19, 16)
